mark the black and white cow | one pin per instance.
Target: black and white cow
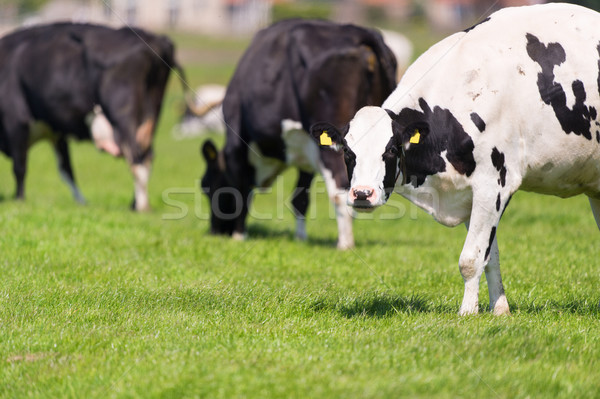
(76, 80)
(510, 104)
(293, 74)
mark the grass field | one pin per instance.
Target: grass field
(97, 302)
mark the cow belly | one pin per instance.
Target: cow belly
(102, 132)
(266, 169)
(564, 180)
(448, 207)
(300, 149)
(560, 164)
(39, 130)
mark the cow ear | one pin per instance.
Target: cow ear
(210, 153)
(415, 134)
(325, 134)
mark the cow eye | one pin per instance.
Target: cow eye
(390, 153)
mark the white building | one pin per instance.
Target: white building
(204, 16)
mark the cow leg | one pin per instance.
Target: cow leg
(19, 169)
(61, 149)
(19, 156)
(300, 203)
(595, 203)
(141, 176)
(498, 302)
(477, 254)
(239, 229)
(343, 215)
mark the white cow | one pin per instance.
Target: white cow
(206, 115)
(509, 104)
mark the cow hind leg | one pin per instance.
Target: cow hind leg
(141, 176)
(19, 170)
(300, 203)
(498, 301)
(61, 149)
(595, 203)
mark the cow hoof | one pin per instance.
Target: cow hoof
(301, 236)
(140, 208)
(237, 236)
(501, 308)
(468, 312)
(345, 246)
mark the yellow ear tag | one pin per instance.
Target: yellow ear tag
(212, 155)
(325, 139)
(415, 137)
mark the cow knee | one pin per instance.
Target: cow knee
(467, 265)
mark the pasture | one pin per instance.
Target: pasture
(96, 301)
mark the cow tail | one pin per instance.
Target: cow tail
(191, 107)
(386, 58)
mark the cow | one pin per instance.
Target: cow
(206, 116)
(509, 104)
(83, 81)
(293, 74)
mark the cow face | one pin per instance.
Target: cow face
(332, 155)
(376, 145)
(224, 202)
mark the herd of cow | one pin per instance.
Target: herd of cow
(508, 104)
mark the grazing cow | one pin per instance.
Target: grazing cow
(294, 73)
(509, 104)
(70, 80)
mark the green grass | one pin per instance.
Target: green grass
(96, 301)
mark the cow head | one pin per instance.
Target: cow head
(224, 202)
(375, 147)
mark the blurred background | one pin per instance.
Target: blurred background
(242, 17)
(210, 37)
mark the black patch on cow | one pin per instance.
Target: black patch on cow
(492, 236)
(440, 131)
(598, 136)
(498, 202)
(478, 121)
(476, 25)
(499, 164)
(593, 112)
(576, 120)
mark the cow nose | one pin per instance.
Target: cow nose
(362, 195)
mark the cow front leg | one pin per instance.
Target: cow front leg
(300, 203)
(241, 209)
(18, 134)
(61, 149)
(476, 255)
(19, 170)
(498, 302)
(343, 213)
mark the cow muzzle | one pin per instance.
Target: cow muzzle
(363, 198)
